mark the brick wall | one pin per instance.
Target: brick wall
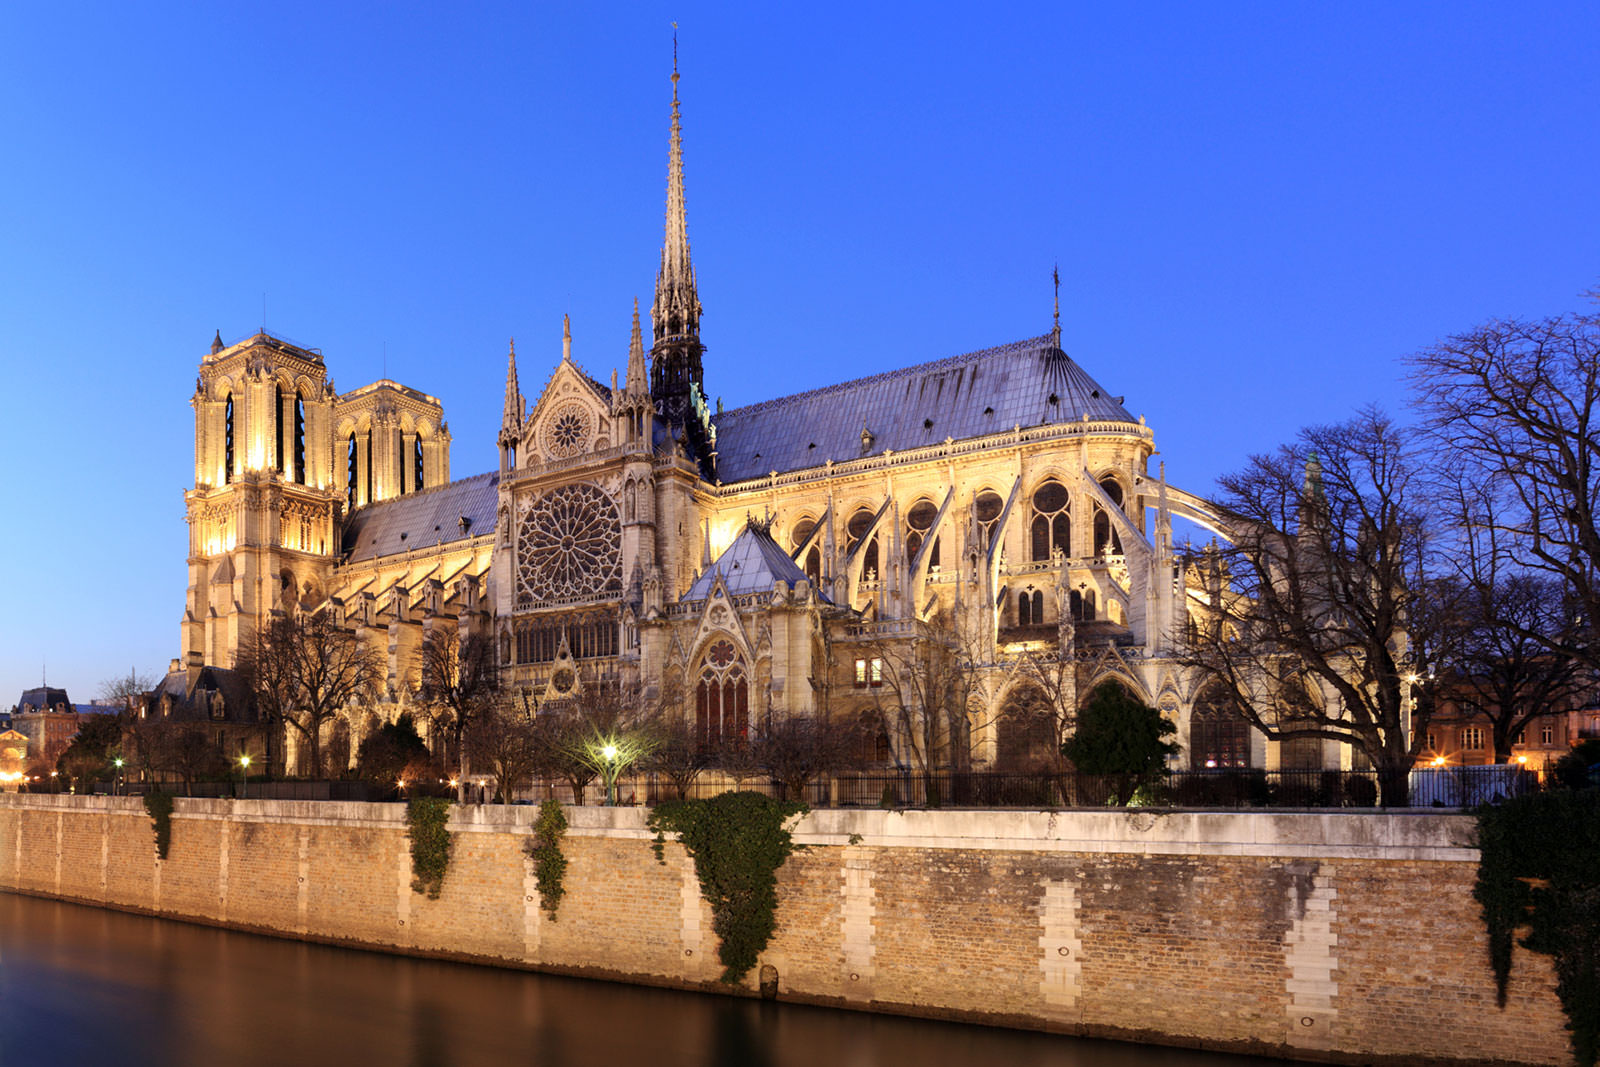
(1336, 937)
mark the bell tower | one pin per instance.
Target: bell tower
(264, 511)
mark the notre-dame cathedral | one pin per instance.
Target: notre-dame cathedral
(760, 561)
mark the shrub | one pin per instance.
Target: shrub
(430, 843)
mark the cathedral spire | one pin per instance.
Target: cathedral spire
(638, 382)
(566, 338)
(677, 382)
(511, 420)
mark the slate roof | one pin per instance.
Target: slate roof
(191, 704)
(422, 520)
(45, 699)
(754, 563)
(964, 396)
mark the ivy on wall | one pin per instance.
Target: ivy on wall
(1539, 871)
(550, 864)
(738, 841)
(159, 805)
(430, 843)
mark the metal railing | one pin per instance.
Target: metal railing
(1451, 787)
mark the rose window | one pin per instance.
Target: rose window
(567, 431)
(569, 547)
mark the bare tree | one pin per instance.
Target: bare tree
(460, 685)
(679, 758)
(304, 669)
(928, 680)
(128, 689)
(508, 739)
(1511, 406)
(1323, 621)
(796, 750)
(1505, 664)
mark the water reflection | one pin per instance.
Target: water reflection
(84, 986)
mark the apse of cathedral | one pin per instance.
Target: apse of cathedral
(760, 561)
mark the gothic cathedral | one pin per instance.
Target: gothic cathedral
(796, 557)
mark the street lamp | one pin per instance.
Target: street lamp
(244, 776)
(115, 781)
(609, 754)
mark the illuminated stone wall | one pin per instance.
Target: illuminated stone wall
(1349, 938)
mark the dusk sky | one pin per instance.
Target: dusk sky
(1257, 210)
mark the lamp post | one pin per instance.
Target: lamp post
(55, 781)
(117, 779)
(244, 776)
(609, 754)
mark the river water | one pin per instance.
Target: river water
(83, 986)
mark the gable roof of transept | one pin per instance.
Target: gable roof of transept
(423, 519)
(754, 563)
(1025, 383)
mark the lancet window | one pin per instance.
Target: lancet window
(1052, 522)
(1030, 607)
(812, 563)
(919, 520)
(857, 529)
(722, 698)
(416, 460)
(299, 439)
(986, 510)
(227, 440)
(1219, 737)
(1106, 539)
(352, 471)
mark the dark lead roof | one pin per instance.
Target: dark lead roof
(752, 564)
(1025, 383)
(422, 520)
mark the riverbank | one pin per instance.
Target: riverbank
(1321, 936)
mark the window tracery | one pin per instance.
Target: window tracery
(919, 520)
(986, 510)
(567, 430)
(1052, 521)
(569, 547)
(722, 697)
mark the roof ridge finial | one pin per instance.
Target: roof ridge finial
(566, 338)
(1055, 331)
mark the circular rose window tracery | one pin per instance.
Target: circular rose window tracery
(569, 546)
(567, 431)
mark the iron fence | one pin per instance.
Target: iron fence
(1451, 787)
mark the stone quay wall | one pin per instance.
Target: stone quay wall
(1328, 937)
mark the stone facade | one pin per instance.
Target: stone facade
(1341, 937)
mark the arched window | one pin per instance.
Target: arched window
(1081, 603)
(1038, 605)
(875, 749)
(1024, 609)
(986, 510)
(1026, 732)
(857, 528)
(1219, 737)
(299, 439)
(277, 426)
(1051, 527)
(1107, 542)
(722, 698)
(919, 520)
(416, 460)
(812, 563)
(227, 440)
(352, 471)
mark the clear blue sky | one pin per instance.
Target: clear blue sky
(1257, 208)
